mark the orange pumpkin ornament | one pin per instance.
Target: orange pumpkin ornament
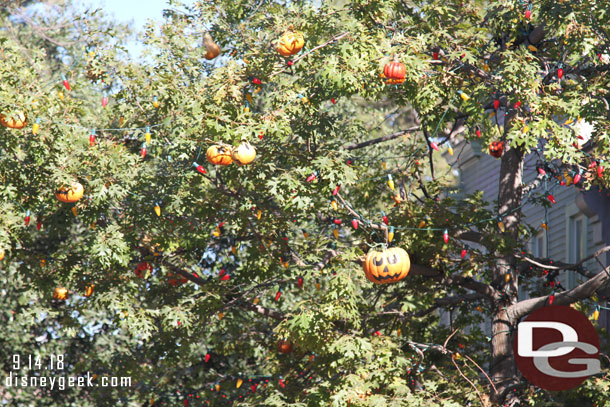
(243, 154)
(212, 49)
(70, 194)
(60, 293)
(284, 347)
(395, 72)
(387, 266)
(219, 155)
(16, 120)
(290, 43)
(89, 290)
(496, 149)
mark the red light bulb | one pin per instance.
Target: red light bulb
(355, 223)
(463, 254)
(446, 236)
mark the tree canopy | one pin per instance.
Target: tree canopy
(243, 284)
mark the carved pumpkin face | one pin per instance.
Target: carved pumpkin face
(17, 120)
(70, 194)
(388, 266)
(212, 49)
(219, 155)
(284, 347)
(60, 293)
(243, 154)
(141, 269)
(496, 148)
(290, 43)
(395, 72)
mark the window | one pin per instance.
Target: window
(576, 243)
(538, 245)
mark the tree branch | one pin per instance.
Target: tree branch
(582, 291)
(387, 137)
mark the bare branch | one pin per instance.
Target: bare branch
(387, 137)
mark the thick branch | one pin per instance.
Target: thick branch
(580, 292)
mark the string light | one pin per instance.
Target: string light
(391, 234)
(312, 176)
(35, 127)
(333, 204)
(463, 253)
(446, 236)
(354, 223)
(390, 182)
(92, 138)
(104, 100)
(27, 218)
(199, 167)
(65, 82)
(155, 102)
(157, 209)
(147, 135)
(143, 150)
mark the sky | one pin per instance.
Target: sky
(136, 12)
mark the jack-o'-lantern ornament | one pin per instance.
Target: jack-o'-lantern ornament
(219, 155)
(496, 148)
(16, 120)
(212, 49)
(290, 43)
(60, 293)
(70, 194)
(284, 347)
(243, 154)
(141, 268)
(395, 72)
(386, 266)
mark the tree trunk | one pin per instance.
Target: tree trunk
(509, 199)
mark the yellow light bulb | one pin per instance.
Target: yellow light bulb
(221, 315)
(249, 98)
(383, 165)
(305, 100)
(239, 383)
(35, 128)
(216, 232)
(147, 137)
(158, 210)
(507, 277)
(399, 332)
(256, 300)
(390, 236)
(544, 226)
(217, 387)
(318, 286)
(464, 96)
(336, 233)
(259, 213)
(333, 203)
(391, 184)
(247, 109)
(421, 224)
(595, 315)
(155, 104)
(74, 210)
(43, 262)
(450, 149)
(501, 226)
(233, 250)
(60, 95)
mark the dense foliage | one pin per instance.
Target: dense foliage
(229, 247)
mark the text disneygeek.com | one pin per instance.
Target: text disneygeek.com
(61, 382)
